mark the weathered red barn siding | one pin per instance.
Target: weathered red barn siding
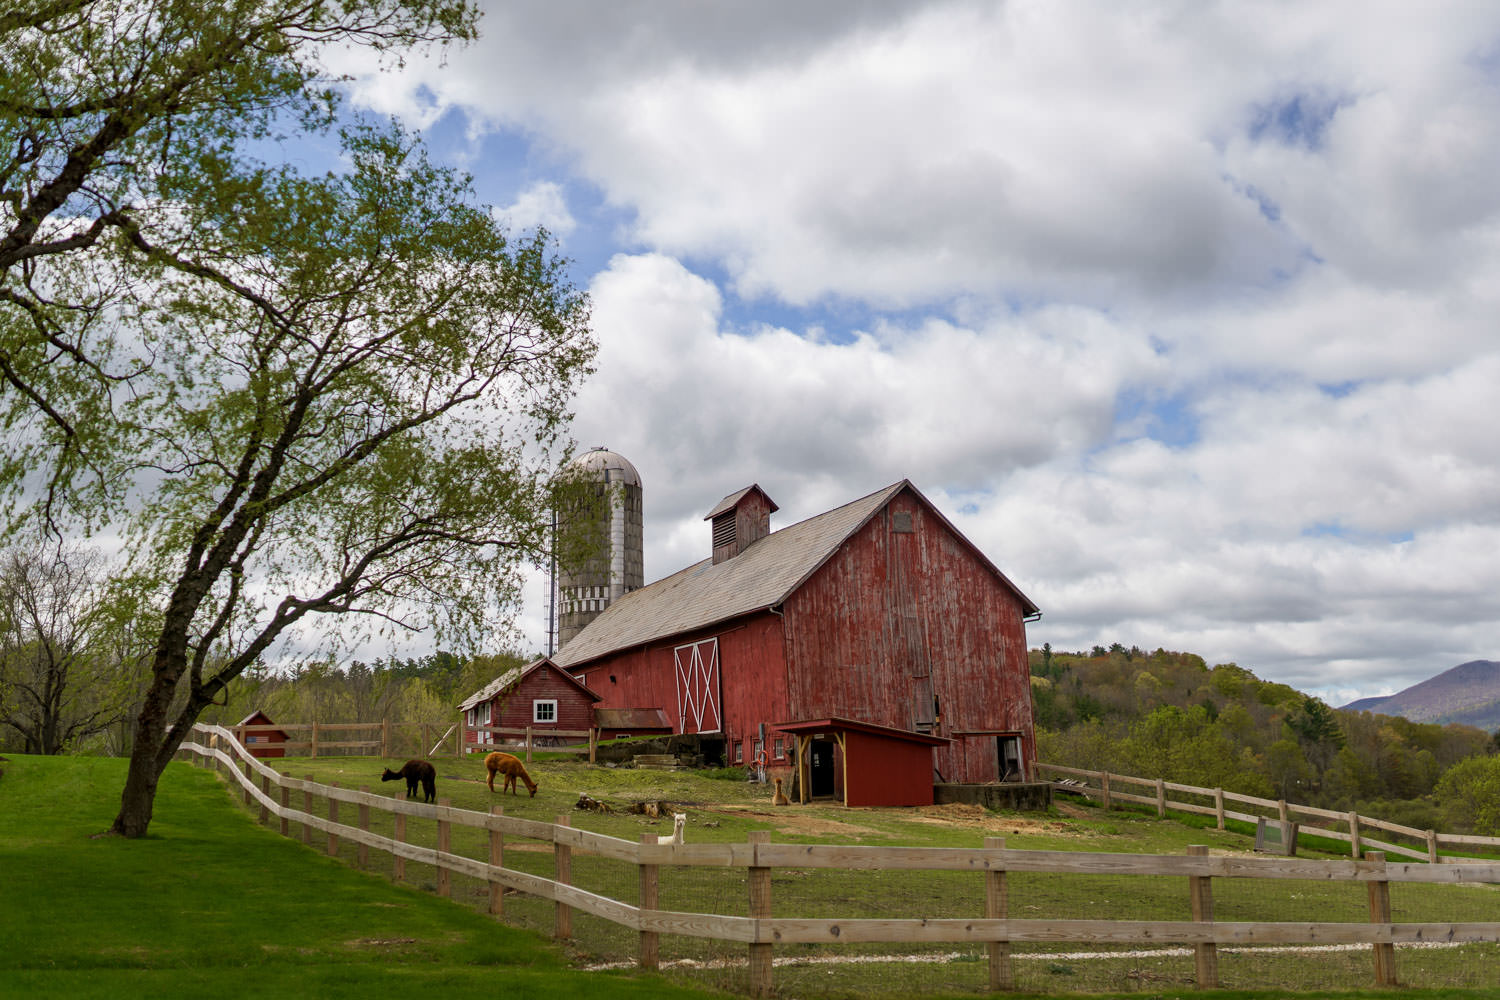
(882, 772)
(895, 617)
(752, 675)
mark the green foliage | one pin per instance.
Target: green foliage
(1167, 715)
(338, 398)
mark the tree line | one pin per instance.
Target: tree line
(1169, 715)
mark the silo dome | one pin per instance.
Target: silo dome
(605, 464)
(617, 565)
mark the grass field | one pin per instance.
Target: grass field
(212, 903)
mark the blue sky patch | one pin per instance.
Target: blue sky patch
(1300, 121)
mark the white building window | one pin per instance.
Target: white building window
(544, 710)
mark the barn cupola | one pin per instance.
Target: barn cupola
(740, 519)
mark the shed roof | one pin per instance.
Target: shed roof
(631, 718)
(835, 724)
(763, 575)
(513, 677)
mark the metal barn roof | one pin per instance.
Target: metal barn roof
(763, 575)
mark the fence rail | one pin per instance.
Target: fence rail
(1351, 828)
(761, 932)
(381, 738)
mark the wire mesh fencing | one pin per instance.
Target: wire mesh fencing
(841, 920)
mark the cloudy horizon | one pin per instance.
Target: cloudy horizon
(1181, 312)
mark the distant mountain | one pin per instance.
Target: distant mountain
(1468, 694)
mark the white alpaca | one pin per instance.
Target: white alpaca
(679, 820)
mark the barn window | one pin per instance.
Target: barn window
(901, 522)
(544, 710)
(780, 747)
(739, 751)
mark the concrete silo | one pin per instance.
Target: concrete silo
(616, 565)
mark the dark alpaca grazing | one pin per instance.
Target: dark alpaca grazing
(414, 771)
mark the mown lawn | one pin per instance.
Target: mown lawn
(213, 903)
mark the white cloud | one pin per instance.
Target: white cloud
(1272, 228)
(543, 205)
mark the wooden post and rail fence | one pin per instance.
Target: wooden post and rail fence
(1350, 827)
(382, 738)
(761, 932)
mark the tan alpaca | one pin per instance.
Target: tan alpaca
(780, 799)
(679, 820)
(512, 768)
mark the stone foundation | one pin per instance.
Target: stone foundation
(1010, 796)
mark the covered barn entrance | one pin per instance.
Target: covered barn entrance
(862, 764)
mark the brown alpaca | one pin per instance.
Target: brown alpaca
(512, 768)
(780, 799)
(414, 771)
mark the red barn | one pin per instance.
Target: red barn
(538, 695)
(877, 613)
(262, 742)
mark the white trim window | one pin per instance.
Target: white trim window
(544, 711)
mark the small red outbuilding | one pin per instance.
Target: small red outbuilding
(862, 764)
(253, 734)
(538, 695)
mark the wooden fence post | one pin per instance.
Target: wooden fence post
(1200, 894)
(333, 817)
(593, 744)
(249, 780)
(497, 860)
(1432, 847)
(307, 808)
(1281, 812)
(528, 744)
(1354, 834)
(265, 810)
(1219, 806)
(398, 867)
(1104, 790)
(997, 907)
(286, 803)
(364, 826)
(444, 845)
(1161, 799)
(385, 737)
(650, 886)
(1380, 913)
(422, 746)
(313, 750)
(562, 923)
(760, 909)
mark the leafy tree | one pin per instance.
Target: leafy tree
(65, 669)
(354, 415)
(1470, 793)
(294, 397)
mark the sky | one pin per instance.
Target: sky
(1183, 312)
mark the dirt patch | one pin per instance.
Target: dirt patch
(978, 817)
(795, 822)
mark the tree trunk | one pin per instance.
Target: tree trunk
(153, 749)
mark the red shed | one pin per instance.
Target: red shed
(863, 765)
(262, 742)
(878, 612)
(539, 695)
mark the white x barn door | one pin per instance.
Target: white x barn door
(698, 686)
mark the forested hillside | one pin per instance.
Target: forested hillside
(1170, 715)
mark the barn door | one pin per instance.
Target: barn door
(698, 686)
